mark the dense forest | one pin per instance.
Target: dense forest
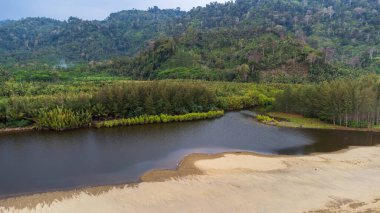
(50, 41)
(346, 31)
(245, 40)
(114, 101)
(229, 55)
(80, 102)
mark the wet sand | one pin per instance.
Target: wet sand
(346, 181)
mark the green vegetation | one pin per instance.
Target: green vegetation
(247, 56)
(313, 58)
(185, 73)
(120, 99)
(235, 96)
(245, 40)
(162, 118)
(344, 31)
(62, 43)
(350, 103)
(62, 119)
(138, 98)
(266, 119)
(299, 121)
(75, 103)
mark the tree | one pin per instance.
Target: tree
(242, 72)
(149, 105)
(4, 76)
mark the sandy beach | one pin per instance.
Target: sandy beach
(346, 181)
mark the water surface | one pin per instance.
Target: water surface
(43, 161)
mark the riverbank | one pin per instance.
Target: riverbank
(17, 129)
(291, 120)
(156, 119)
(140, 120)
(343, 181)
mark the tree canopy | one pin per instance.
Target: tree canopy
(344, 32)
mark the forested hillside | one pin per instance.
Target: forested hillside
(75, 40)
(262, 40)
(346, 31)
(227, 55)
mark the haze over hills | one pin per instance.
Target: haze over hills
(294, 39)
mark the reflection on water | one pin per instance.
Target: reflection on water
(41, 161)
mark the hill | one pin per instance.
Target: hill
(292, 40)
(345, 31)
(75, 40)
(225, 54)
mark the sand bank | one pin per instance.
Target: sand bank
(17, 129)
(340, 182)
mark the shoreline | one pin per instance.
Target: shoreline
(336, 128)
(190, 168)
(280, 124)
(185, 167)
(197, 116)
(18, 129)
(286, 123)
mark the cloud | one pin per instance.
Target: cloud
(85, 9)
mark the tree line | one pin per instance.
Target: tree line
(162, 118)
(118, 100)
(345, 102)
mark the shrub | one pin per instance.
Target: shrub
(265, 119)
(61, 119)
(162, 118)
(19, 123)
(355, 124)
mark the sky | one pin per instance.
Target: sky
(85, 9)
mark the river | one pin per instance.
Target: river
(40, 161)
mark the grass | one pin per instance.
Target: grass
(299, 121)
(266, 119)
(162, 118)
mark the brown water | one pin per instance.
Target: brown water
(44, 161)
